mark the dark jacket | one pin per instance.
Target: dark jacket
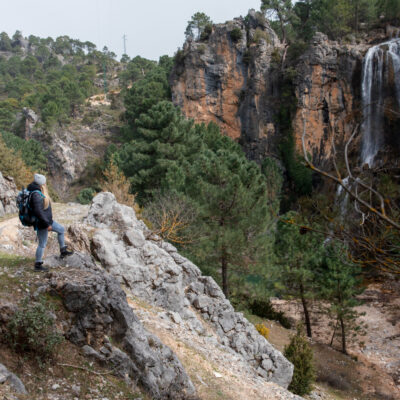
(45, 217)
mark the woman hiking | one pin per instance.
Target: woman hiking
(41, 208)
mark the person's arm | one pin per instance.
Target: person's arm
(38, 210)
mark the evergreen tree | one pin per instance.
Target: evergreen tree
(5, 42)
(299, 252)
(144, 94)
(339, 284)
(161, 137)
(199, 26)
(299, 353)
(282, 10)
(389, 9)
(31, 151)
(231, 195)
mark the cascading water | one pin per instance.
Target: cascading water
(378, 61)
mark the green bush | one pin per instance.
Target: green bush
(32, 330)
(299, 353)
(260, 34)
(85, 196)
(31, 151)
(264, 309)
(206, 32)
(235, 34)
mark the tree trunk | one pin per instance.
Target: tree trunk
(334, 333)
(344, 349)
(305, 309)
(224, 267)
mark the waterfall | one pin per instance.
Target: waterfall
(375, 77)
(342, 197)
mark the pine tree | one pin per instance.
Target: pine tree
(162, 136)
(231, 194)
(339, 285)
(299, 252)
(199, 24)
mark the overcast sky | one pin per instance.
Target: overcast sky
(153, 27)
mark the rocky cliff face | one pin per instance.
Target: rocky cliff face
(327, 88)
(8, 194)
(71, 148)
(238, 85)
(228, 79)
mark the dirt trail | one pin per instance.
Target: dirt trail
(20, 240)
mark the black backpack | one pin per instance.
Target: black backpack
(25, 208)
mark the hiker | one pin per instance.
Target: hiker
(41, 209)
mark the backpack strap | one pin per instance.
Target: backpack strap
(30, 195)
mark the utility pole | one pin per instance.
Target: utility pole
(124, 39)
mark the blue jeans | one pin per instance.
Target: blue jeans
(42, 235)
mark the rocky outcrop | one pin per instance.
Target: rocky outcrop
(239, 84)
(228, 80)
(8, 195)
(154, 271)
(72, 148)
(327, 88)
(108, 331)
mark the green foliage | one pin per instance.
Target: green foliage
(260, 34)
(264, 309)
(227, 193)
(41, 82)
(282, 12)
(85, 196)
(11, 164)
(5, 42)
(294, 21)
(31, 151)
(390, 9)
(136, 69)
(179, 58)
(206, 32)
(152, 88)
(161, 137)
(231, 195)
(199, 27)
(299, 177)
(339, 284)
(8, 111)
(300, 354)
(299, 252)
(32, 330)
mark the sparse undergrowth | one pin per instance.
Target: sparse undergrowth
(33, 339)
(32, 330)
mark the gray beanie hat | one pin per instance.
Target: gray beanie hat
(40, 179)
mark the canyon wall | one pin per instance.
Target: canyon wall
(229, 79)
(240, 86)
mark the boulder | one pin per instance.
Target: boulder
(11, 379)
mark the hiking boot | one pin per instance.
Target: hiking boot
(39, 267)
(65, 252)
